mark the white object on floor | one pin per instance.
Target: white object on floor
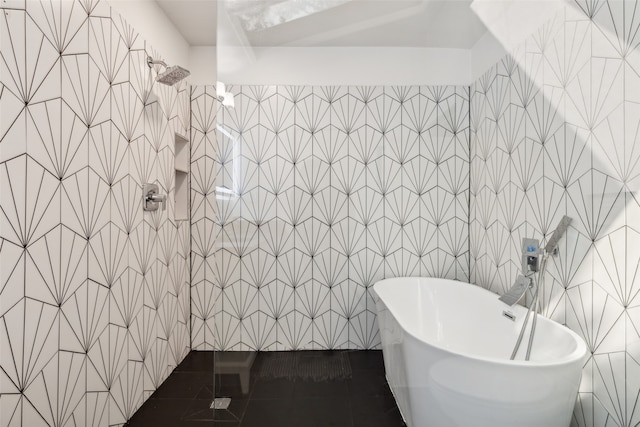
(230, 362)
(220, 403)
(446, 348)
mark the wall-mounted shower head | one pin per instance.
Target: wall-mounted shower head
(171, 75)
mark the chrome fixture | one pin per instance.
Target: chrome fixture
(517, 291)
(530, 267)
(509, 315)
(151, 200)
(552, 244)
(530, 255)
(171, 75)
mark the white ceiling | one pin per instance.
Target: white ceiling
(360, 23)
(195, 19)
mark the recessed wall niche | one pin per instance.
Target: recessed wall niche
(181, 166)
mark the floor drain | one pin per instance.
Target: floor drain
(220, 403)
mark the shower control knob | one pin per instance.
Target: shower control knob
(152, 199)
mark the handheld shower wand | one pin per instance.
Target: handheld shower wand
(552, 244)
(518, 290)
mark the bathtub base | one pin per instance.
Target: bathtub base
(436, 387)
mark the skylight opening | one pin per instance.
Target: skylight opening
(255, 16)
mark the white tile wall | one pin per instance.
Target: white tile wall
(329, 190)
(93, 293)
(553, 132)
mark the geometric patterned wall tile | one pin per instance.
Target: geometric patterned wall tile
(29, 200)
(609, 384)
(126, 298)
(87, 314)
(57, 266)
(108, 49)
(85, 194)
(126, 204)
(107, 258)
(595, 92)
(155, 363)
(127, 111)
(597, 202)
(60, 24)
(11, 128)
(108, 152)
(56, 137)
(11, 275)
(615, 142)
(590, 411)
(20, 340)
(568, 155)
(574, 154)
(305, 166)
(84, 290)
(633, 331)
(617, 263)
(86, 93)
(632, 390)
(127, 392)
(14, 4)
(30, 62)
(141, 78)
(59, 388)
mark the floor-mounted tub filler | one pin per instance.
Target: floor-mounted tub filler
(447, 348)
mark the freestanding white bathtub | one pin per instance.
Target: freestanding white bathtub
(446, 348)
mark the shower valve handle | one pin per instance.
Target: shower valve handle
(152, 199)
(158, 198)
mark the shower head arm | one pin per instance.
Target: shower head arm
(151, 62)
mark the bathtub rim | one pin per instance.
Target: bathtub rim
(580, 353)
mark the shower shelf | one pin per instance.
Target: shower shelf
(182, 153)
(181, 165)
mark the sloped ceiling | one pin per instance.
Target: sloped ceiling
(340, 23)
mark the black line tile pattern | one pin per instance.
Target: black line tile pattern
(304, 197)
(554, 131)
(362, 398)
(94, 294)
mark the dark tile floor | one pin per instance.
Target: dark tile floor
(360, 398)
